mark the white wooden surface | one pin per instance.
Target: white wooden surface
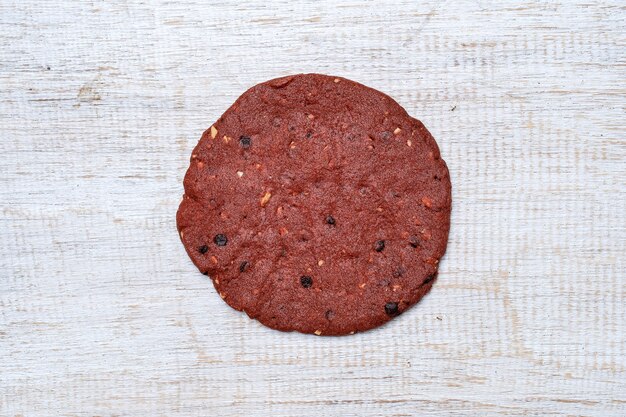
(103, 314)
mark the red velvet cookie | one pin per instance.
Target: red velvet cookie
(317, 204)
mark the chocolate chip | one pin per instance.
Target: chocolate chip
(245, 141)
(379, 245)
(220, 240)
(429, 279)
(205, 273)
(203, 249)
(414, 241)
(306, 281)
(329, 315)
(243, 266)
(391, 308)
(330, 220)
(309, 134)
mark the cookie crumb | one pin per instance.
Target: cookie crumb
(240, 174)
(397, 131)
(318, 332)
(226, 139)
(409, 143)
(310, 116)
(213, 132)
(426, 201)
(320, 262)
(336, 80)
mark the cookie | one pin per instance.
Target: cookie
(318, 205)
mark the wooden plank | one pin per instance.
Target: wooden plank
(103, 314)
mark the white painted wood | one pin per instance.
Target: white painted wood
(103, 314)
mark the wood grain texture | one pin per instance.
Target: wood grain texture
(103, 314)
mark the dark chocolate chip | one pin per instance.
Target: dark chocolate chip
(245, 141)
(429, 279)
(306, 281)
(205, 273)
(220, 240)
(414, 241)
(329, 315)
(203, 249)
(391, 308)
(309, 134)
(379, 245)
(243, 266)
(330, 220)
